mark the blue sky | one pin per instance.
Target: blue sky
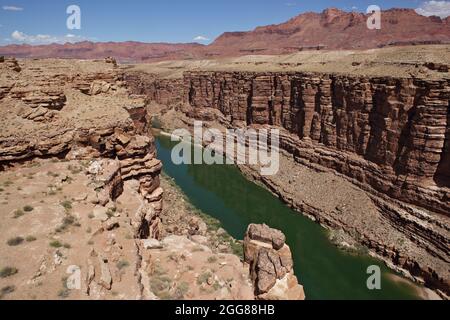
(41, 21)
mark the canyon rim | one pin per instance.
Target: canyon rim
(318, 118)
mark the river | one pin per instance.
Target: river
(325, 271)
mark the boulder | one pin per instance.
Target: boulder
(100, 213)
(271, 264)
(151, 244)
(263, 233)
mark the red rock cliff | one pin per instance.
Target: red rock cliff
(389, 133)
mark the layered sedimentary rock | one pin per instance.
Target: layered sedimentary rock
(391, 134)
(165, 91)
(386, 134)
(81, 110)
(271, 265)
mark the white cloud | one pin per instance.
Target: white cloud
(201, 38)
(12, 8)
(18, 36)
(434, 8)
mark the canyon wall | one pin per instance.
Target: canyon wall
(80, 110)
(389, 133)
(389, 136)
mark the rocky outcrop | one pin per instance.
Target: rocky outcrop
(79, 110)
(164, 91)
(271, 265)
(11, 63)
(387, 133)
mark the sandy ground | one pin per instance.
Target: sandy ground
(48, 225)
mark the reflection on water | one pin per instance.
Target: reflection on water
(326, 272)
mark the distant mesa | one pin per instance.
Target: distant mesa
(333, 29)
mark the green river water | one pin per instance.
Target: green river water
(325, 271)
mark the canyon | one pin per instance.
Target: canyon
(335, 28)
(371, 127)
(365, 153)
(82, 196)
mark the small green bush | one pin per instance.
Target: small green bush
(8, 272)
(212, 259)
(67, 205)
(203, 278)
(18, 213)
(122, 264)
(15, 241)
(181, 290)
(160, 286)
(55, 244)
(28, 208)
(6, 290)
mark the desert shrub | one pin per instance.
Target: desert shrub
(18, 213)
(67, 221)
(216, 286)
(55, 244)
(122, 264)
(8, 272)
(203, 278)
(74, 169)
(190, 268)
(160, 286)
(198, 249)
(237, 249)
(212, 259)
(28, 208)
(15, 241)
(67, 205)
(30, 238)
(64, 293)
(6, 290)
(180, 291)
(159, 270)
